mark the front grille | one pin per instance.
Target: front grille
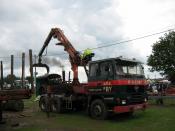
(135, 95)
(136, 98)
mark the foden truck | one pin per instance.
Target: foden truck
(115, 85)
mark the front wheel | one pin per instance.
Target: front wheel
(98, 110)
(128, 114)
(43, 104)
(56, 105)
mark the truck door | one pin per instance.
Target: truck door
(94, 72)
(106, 71)
(101, 71)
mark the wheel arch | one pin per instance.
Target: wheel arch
(91, 98)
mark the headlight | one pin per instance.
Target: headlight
(123, 102)
(145, 100)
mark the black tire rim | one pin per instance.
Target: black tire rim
(97, 110)
(43, 105)
(54, 109)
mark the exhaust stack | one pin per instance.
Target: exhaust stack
(63, 73)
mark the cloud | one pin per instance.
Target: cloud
(25, 24)
(87, 24)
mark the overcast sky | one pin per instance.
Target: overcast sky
(24, 24)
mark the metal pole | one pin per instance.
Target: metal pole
(69, 77)
(11, 75)
(23, 69)
(2, 79)
(63, 75)
(12, 61)
(31, 68)
(35, 71)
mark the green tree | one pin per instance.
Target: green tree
(162, 58)
(10, 78)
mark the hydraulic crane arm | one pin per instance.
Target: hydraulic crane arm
(58, 34)
(74, 55)
(46, 43)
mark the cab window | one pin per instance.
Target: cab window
(106, 71)
(93, 70)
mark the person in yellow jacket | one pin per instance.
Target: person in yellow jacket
(87, 55)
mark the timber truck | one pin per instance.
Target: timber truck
(115, 85)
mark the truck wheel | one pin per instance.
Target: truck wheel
(128, 114)
(43, 104)
(56, 105)
(14, 105)
(98, 110)
(19, 105)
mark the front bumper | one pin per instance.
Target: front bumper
(129, 108)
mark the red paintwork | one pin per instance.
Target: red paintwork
(129, 108)
(79, 89)
(82, 88)
(15, 94)
(117, 82)
(170, 91)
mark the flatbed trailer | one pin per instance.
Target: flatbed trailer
(13, 93)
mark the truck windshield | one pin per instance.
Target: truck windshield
(129, 68)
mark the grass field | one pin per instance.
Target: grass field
(155, 118)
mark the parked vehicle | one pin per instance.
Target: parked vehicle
(114, 85)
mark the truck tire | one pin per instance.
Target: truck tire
(14, 105)
(56, 105)
(98, 110)
(128, 114)
(19, 105)
(43, 104)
